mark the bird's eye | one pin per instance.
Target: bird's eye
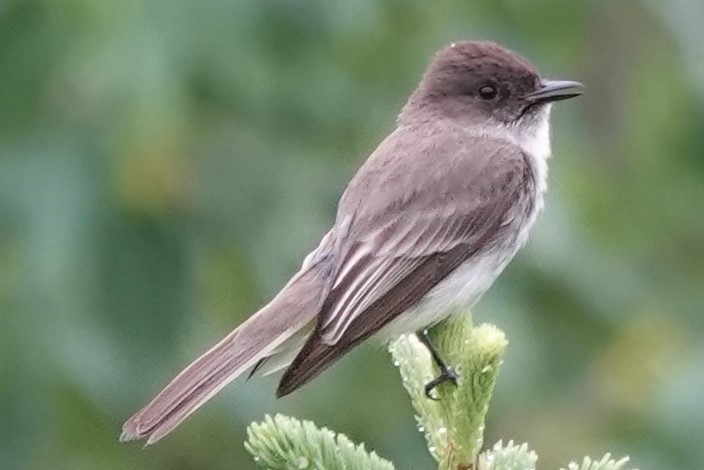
(487, 92)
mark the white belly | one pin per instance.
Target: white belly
(456, 294)
(461, 289)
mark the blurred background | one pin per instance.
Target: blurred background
(166, 165)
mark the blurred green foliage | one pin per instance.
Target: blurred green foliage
(166, 165)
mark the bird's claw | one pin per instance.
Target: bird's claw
(447, 374)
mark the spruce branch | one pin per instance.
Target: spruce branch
(289, 444)
(606, 463)
(507, 457)
(454, 424)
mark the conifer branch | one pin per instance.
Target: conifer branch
(289, 444)
(453, 426)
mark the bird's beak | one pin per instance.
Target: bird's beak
(555, 90)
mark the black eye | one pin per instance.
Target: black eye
(487, 92)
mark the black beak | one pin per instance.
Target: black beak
(555, 90)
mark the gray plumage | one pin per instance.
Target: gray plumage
(422, 230)
(398, 244)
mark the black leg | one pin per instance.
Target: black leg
(447, 374)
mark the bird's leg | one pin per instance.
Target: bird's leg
(447, 374)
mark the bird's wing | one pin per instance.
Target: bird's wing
(409, 227)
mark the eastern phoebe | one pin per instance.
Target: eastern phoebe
(422, 230)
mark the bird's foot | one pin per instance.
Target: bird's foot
(447, 374)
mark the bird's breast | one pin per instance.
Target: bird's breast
(456, 294)
(461, 289)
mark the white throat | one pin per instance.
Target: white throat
(533, 140)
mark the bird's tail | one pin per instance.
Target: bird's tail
(267, 334)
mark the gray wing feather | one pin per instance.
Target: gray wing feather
(452, 204)
(415, 213)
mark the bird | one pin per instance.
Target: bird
(422, 230)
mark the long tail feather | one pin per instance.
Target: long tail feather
(292, 310)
